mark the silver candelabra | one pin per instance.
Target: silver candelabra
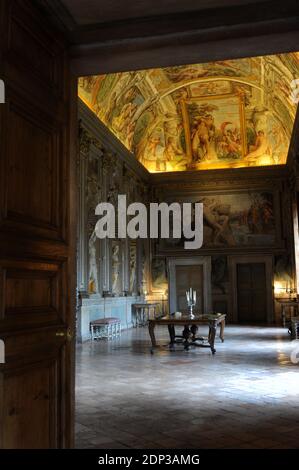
(191, 300)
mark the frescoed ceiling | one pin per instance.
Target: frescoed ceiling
(224, 114)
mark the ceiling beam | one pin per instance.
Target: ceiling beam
(268, 27)
(184, 48)
(259, 13)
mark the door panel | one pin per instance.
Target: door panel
(252, 293)
(186, 277)
(25, 391)
(37, 232)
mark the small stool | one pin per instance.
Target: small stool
(109, 328)
(295, 327)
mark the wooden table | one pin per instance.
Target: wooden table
(287, 304)
(295, 328)
(142, 313)
(189, 336)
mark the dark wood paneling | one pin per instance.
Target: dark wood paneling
(35, 54)
(252, 293)
(34, 47)
(27, 292)
(29, 399)
(31, 290)
(37, 232)
(32, 153)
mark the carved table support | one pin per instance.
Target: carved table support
(186, 335)
(212, 335)
(194, 329)
(189, 336)
(171, 330)
(151, 329)
(222, 326)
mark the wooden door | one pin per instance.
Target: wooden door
(186, 277)
(252, 293)
(37, 266)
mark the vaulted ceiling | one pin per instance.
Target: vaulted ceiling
(224, 114)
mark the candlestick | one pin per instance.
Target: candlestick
(191, 300)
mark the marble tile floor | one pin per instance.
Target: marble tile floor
(246, 396)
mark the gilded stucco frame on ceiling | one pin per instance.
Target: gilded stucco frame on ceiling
(185, 101)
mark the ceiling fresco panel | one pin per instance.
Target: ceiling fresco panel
(224, 114)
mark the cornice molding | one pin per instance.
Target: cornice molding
(225, 177)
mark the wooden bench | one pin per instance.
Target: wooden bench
(108, 328)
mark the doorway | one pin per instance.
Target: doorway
(186, 277)
(189, 272)
(252, 293)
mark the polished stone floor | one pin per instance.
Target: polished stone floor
(246, 396)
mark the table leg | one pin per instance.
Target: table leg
(283, 316)
(222, 326)
(140, 315)
(146, 315)
(186, 335)
(294, 312)
(212, 334)
(135, 317)
(171, 330)
(194, 329)
(151, 330)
